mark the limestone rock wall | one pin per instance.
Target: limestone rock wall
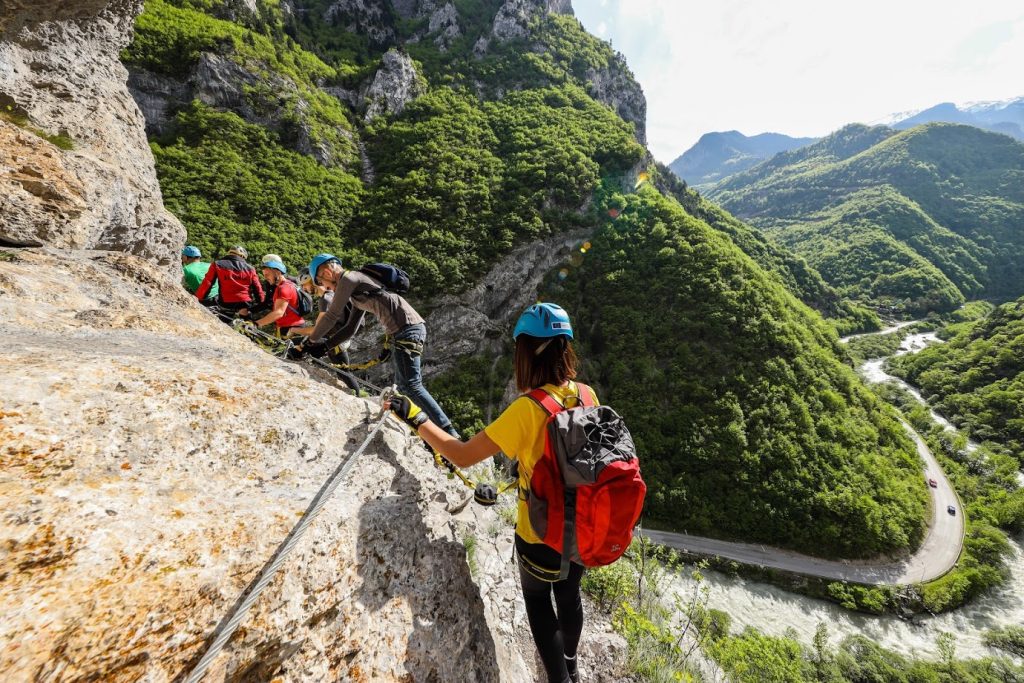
(152, 460)
(478, 319)
(394, 85)
(60, 75)
(616, 87)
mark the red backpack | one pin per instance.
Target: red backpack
(586, 493)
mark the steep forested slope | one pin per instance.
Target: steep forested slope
(913, 221)
(461, 177)
(450, 134)
(791, 270)
(977, 378)
(750, 426)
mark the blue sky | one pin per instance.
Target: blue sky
(806, 67)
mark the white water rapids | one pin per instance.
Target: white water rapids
(775, 611)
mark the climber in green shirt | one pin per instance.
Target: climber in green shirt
(194, 270)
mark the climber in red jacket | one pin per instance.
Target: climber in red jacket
(239, 284)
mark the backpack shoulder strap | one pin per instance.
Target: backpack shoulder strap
(298, 296)
(546, 402)
(367, 289)
(586, 395)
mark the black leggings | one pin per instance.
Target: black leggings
(556, 637)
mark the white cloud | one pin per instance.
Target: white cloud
(806, 67)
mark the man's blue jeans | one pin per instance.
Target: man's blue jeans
(409, 379)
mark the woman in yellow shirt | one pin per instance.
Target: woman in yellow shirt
(544, 358)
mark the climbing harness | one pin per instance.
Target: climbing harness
(227, 628)
(412, 347)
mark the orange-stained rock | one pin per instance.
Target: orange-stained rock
(60, 74)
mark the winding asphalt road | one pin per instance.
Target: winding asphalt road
(936, 555)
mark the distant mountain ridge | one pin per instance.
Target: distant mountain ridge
(911, 221)
(1006, 116)
(719, 155)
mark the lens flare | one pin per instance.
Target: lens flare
(563, 273)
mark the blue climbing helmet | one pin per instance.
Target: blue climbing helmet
(191, 252)
(319, 260)
(276, 265)
(544, 320)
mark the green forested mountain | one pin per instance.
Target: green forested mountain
(977, 378)
(718, 155)
(731, 387)
(911, 221)
(440, 140)
(791, 270)
(461, 177)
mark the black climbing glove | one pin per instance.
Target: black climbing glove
(316, 349)
(407, 411)
(296, 352)
(385, 355)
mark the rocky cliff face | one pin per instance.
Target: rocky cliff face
(257, 94)
(151, 460)
(365, 17)
(476, 320)
(145, 481)
(514, 16)
(616, 87)
(394, 85)
(60, 75)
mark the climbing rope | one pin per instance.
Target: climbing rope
(337, 370)
(483, 493)
(279, 347)
(414, 348)
(227, 628)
